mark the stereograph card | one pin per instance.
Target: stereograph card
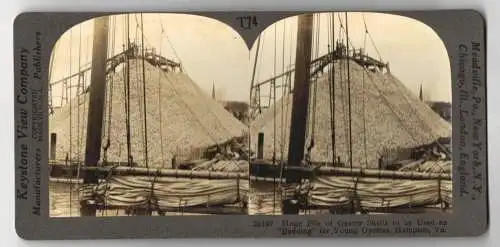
(250, 124)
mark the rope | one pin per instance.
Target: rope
(363, 105)
(331, 95)
(70, 96)
(106, 187)
(70, 115)
(208, 108)
(144, 94)
(127, 92)
(316, 55)
(255, 98)
(386, 103)
(78, 95)
(106, 102)
(152, 192)
(189, 109)
(63, 87)
(80, 144)
(138, 88)
(342, 88)
(287, 101)
(349, 91)
(283, 93)
(290, 61)
(371, 39)
(175, 52)
(274, 93)
(274, 113)
(313, 93)
(349, 41)
(289, 86)
(193, 112)
(332, 92)
(259, 64)
(137, 29)
(110, 100)
(159, 99)
(254, 69)
(354, 195)
(416, 113)
(51, 68)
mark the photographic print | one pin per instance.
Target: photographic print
(158, 119)
(360, 104)
(133, 97)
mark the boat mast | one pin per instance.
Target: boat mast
(300, 102)
(300, 91)
(96, 108)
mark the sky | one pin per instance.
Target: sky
(212, 53)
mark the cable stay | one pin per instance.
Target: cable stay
(159, 97)
(144, 95)
(349, 92)
(254, 98)
(69, 157)
(70, 101)
(110, 98)
(283, 94)
(364, 97)
(273, 86)
(371, 38)
(314, 81)
(51, 68)
(127, 91)
(331, 84)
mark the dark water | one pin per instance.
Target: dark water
(63, 199)
(64, 202)
(264, 198)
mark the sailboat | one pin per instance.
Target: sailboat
(362, 123)
(119, 120)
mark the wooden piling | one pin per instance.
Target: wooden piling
(260, 146)
(53, 146)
